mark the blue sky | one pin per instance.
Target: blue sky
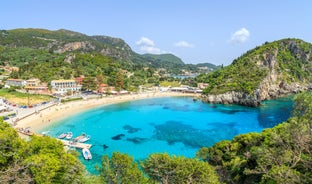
(195, 30)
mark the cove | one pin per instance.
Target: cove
(176, 125)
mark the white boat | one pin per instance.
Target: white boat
(83, 135)
(84, 139)
(63, 135)
(86, 154)
(45, 133)
(69, 135)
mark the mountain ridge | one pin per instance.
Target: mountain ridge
(63, 41)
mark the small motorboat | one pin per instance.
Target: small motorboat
(84, 139)
(69, 135)
(77, 139)
(45, 133)
(62, 136)
(86, 154)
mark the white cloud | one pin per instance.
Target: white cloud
(145, 42)
(183, 44)
(240, 36)
(150, 50)
(148, 46)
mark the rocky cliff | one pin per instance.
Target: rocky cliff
(269, 71)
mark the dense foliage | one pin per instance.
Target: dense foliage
(40, 160)
(289, 59)
(162, 168)
(234, 77)
(157, 168)
(282, 154)
(121, 168)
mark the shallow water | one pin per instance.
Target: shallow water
(176, 125)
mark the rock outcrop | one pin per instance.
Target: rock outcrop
(233, 98)
(72, 46)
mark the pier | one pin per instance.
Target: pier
(27, 132)
(76, 144)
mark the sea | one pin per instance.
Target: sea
(175, 125)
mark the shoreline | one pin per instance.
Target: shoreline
(51, 115)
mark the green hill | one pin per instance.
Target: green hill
(167, 61)
(268, 71)
(62, 41)
(208, 65)
(21, 46)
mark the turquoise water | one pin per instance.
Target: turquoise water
(176, 125)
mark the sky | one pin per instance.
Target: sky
(197, 31)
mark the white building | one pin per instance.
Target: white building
(64, 86)
(15, 82)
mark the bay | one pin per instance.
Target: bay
(176, 125)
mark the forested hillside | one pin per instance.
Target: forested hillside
(40, 48)
(291, 60)
(268, 71)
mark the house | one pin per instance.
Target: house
(202, 85)
(15, 82)
(33, 82)
(38, 88)
(79, 79)
(104, 88)
(34, 86)
(62, 87)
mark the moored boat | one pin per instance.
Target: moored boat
(84, 139)
(69, 135)
(83, 135)
(86, 154)
(63, 135)
(45, 133)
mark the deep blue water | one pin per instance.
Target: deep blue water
(176, 125)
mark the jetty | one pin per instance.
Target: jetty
(27, 132)
(76, 144)
(68, 143)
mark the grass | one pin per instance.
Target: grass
(169, 83)
(23, 98)
(70, 100)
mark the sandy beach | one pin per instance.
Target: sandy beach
(50, 115)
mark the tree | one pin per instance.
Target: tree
(89, 84)
(49, 163)
(170, 169)
(121, 169)
(40, 160)
(119, 81)
(100, 79)
(12, 167)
